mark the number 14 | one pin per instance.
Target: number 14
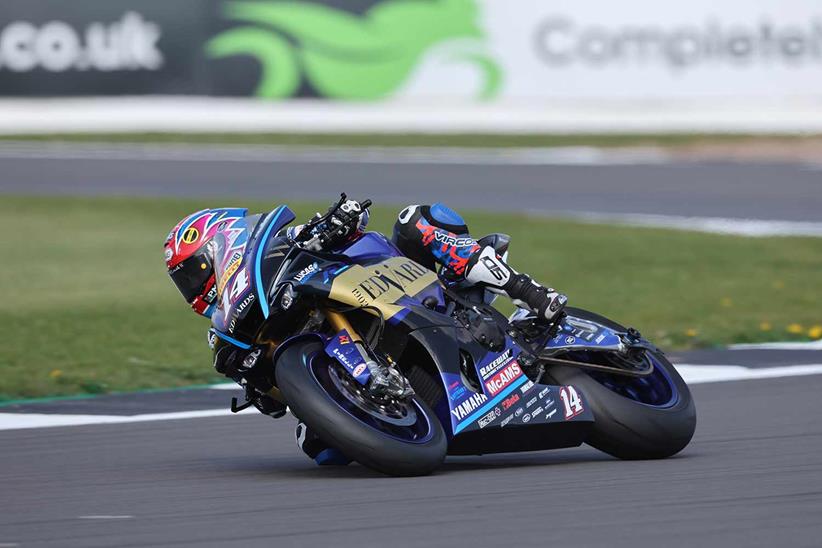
(570, 397)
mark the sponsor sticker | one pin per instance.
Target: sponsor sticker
(469, 406)
(247, 301)
(526, 386)
(503, 378)
(501, 360)
(456, 390)
(487, 419)
(531, 402)
(510, 401)
(345, 360)
(450, 239)
(307, 272)
(526, 418)
(229, 271)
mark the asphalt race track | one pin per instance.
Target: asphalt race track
(751, 477)
(562, 183)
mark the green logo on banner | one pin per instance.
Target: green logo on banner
(344, 56)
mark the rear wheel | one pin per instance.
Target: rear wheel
(395, 437)
(635, 418)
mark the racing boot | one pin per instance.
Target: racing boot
(489, 269)
(318, 450)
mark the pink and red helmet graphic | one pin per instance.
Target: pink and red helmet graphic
(193, 233)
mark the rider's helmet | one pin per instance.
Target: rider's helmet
(189, 255)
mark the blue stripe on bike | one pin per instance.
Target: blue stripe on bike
(484, 409)
(399, 316)
(232, 340)
(261, 297)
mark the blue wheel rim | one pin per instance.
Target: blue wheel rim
(656, 390)
(419, 432)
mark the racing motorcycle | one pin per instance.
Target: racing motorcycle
(396, 367)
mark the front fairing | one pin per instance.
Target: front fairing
(252, 256)
(371, 274)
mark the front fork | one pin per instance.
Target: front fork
(384, 380)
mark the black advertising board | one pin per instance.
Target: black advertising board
(167, 47)
(88, 47)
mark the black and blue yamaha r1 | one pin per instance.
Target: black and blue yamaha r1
(395, 369)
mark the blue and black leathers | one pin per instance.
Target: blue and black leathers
(437, 236)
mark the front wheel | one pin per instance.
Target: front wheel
(634, 418)
(397, 438)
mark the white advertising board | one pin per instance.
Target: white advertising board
(631, 49)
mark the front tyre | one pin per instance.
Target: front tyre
(648, 418)
(402, 439)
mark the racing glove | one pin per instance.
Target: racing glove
(487, 268)
(347, 220)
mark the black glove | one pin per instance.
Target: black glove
(340, 225)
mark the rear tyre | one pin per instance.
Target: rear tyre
(409, 442)
(625, 426)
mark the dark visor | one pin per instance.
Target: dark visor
(191, 275)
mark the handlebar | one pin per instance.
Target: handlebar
(307, 230)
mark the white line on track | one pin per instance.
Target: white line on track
(700, 374)
(105, 517)
(812, 345)
(757, 228)
(693, 374)
(181, 152)
(557, 156)
(15, 421)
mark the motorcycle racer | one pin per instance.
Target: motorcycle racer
(202, 248)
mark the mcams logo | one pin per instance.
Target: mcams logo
(56, 46)
(344, 55)
(561, 41)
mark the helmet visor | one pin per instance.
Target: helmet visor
(191, 275)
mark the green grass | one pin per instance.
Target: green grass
(414, 140)
(87, 307)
